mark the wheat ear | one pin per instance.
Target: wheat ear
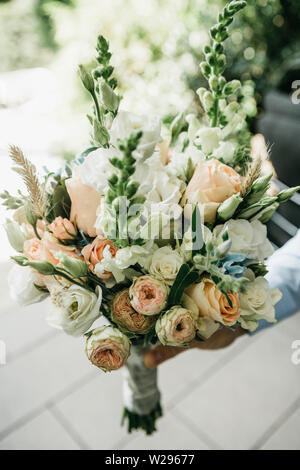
(28, 173)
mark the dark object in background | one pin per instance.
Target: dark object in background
(286, 220)
(280, 125)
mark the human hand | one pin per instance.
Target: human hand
(221, 339)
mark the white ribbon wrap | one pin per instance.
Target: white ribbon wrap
(140, 391)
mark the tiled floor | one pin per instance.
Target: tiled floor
(244, 397)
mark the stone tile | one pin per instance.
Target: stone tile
(237, 405)
(41, 433)
(34, 378)
(171, 434)
(21, 327)
(287, 437)
(94, 411)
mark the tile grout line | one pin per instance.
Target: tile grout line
(277, 424)
(35, 412)
(212, 444)
(67, 426)
(32, 346)
(209, 373)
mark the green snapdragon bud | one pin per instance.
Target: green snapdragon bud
(109, 98)
(286, 194)
(232, 87)
(100, 133)
(228, 207)
(87, 79)
(74, 266)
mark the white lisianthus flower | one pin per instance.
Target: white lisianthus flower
(208, 138)
(257, 303)
(74, 309)
(165, 264)
(175, 327)
(16, 236)
(107, 348)
(96, 169)
(225, 151)
(126, 123)
(248, 238)
(22, 283)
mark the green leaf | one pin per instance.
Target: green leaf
(61, 201)
(185, 277)
(197, 237)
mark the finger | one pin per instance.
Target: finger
(156, 356)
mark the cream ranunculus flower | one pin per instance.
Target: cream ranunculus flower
(85, 202)
(107, 348)
(126, 123)
(257, 303)
(248, 238)
(124, 315)
(148, 295)
(74, 308)
(176, 327)
(165, 264)
(22, 283)
(211, 184)
(212, 302)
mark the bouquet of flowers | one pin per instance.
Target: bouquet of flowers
(142, 240)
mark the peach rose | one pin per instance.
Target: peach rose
(212, 302)
(85, 202)
(35, 250)
(62, 229)
(148, 295)
(211, 184)
(124, 315)
(93, 254)
(44, 249)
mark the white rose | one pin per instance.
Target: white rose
(257, 303)
(74, 309)
(208, 138)
(16, 236)
(22, 283)
(96, 169)
(126, 123)
(248, 238)
(225, 151)
(165, 264)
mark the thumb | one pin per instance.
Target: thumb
(154, 357)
